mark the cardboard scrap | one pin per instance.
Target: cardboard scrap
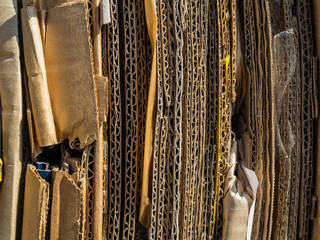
(70, 73)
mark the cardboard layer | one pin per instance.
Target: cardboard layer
(35, 210)
(11, 111)
(70, 73)
(316, 24)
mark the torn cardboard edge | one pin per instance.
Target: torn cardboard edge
(78, 126)
(68, 217)
(65, 55)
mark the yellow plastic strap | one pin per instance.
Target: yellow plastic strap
(226, 60)
(0, 170)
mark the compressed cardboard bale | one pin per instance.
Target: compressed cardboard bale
(37, 78)
(35, 210)
(11, 112)
(70, 73)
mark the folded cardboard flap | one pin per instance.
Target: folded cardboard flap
(68, 211)
(35, 210)
(37, 79)
(70, 73)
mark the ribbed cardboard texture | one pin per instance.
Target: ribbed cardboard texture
(11, 110)
(316, 24)
(35, 210)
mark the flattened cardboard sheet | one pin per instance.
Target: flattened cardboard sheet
(11, 111)
(70, 73)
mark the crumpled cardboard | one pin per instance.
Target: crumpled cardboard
(35, 210)
(37, 78)
(238, 202)
(11, 111)
(70, 73)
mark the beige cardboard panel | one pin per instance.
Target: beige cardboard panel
(11, 104)
(67, 211)
(35, 210)
(37, 79)
(70, 209)
(70, 74)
